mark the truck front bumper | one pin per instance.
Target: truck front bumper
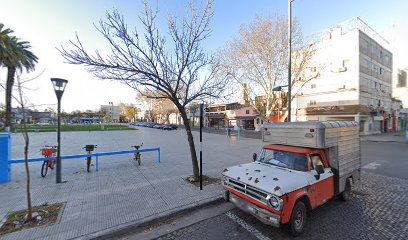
(263, 215)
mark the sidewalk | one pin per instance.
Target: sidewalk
(242, 133)
(385, 137)
(122, 193)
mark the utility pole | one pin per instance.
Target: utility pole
(290, 60)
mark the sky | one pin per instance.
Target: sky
(49, 24)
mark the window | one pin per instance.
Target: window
(312, 102)
(289, 160)
(315, 160)
(246, 111)
(313, 69)
(313, 85)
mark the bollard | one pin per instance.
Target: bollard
(5, 157)
(406, 134)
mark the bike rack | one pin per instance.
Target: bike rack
(96, 155)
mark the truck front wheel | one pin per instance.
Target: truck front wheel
(298, 219)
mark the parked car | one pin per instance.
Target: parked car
(170, 127)
(150, 124)
(158, 126)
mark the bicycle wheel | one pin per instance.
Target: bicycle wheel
(88, 164)
(44, 169)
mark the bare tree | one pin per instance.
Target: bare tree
(129, 111)
(257, 61)
(22, 101)
(168, 64)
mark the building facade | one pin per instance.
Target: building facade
(400, 87)
(354, 81)
(112, 111)
(232, 115)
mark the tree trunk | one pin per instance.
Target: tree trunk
(9, 89)
(193, 153)
(30, 209)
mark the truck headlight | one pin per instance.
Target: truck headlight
(274, 202)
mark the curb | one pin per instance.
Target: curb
(133, 226)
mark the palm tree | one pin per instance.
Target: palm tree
(15, 55)
(5, 50)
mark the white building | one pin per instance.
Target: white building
(112, 111)
(400, 87)
(354, 81)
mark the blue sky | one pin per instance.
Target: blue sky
(51, 23)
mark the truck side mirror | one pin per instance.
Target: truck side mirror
(319, 169)
(254, 157)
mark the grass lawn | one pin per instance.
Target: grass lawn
(73, 128)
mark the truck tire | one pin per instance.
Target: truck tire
(346, 194)
(298, 219)
(226, 195)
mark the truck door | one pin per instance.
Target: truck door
(324, 186)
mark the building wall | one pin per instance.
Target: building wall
(354, 83)
(400, 87)
(113, 111)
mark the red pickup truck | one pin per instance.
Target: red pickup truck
(305, 165)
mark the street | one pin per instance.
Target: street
(385, 158)
(370, 214)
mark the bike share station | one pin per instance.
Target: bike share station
(5, 157)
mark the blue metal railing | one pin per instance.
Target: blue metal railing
(96, 155)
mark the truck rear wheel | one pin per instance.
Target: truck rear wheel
(346, 194)
(298, 219)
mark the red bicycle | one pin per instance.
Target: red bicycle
(48, 151)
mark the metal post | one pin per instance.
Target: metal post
(59, 178)
(201, 146)
(158, 159)
(290, 60)
(97, 163)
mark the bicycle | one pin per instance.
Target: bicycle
(137, 154)
(48, 151)
(89, 148)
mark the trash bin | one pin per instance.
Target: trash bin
(5, 156)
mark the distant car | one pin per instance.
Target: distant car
(158, 126)
(169, 127)
(150, 124)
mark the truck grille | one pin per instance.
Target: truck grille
(246, 189)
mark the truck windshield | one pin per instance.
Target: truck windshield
(288, 160)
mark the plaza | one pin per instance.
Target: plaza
(121, 192)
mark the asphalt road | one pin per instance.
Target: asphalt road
(376, 210)
(385, 158)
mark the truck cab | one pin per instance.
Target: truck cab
(286, 181)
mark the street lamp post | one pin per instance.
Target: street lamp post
(290, 59)
(59, 87)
